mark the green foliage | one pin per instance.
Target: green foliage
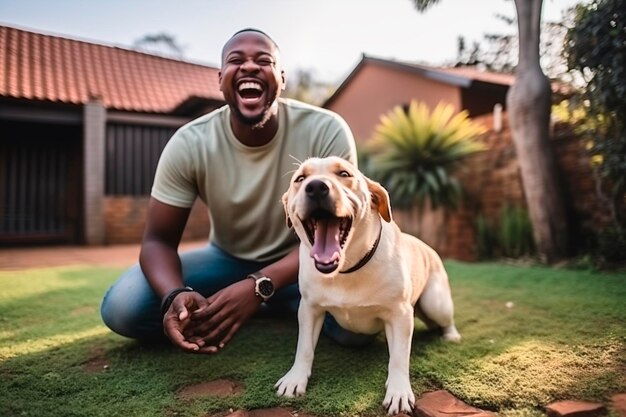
(302, 85)
(415, 152)
(563, 337)
(516, 233)
(486, 238)
(596, 49)
(610, 247)
(511, 236)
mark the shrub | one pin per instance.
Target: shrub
(511, 236)
(515, 233)
(486, 238)
(415, 152)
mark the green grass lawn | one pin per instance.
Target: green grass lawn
(564, 337)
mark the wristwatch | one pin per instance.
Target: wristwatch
(263, 287)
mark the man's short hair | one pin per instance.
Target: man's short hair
(257, 31)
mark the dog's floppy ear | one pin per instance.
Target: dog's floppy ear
(380, 199)
(284, 200)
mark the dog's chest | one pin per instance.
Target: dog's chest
(367, 320)
(361, 309)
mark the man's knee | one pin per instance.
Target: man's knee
(129, 310)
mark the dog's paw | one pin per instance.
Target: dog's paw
(399, 397)
(451, 334)
(293, 384)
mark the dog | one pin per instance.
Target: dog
(356, 264)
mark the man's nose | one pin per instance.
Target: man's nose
(249, 65)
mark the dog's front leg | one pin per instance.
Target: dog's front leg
(310, 321)
(399, 332)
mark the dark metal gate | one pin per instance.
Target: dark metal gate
(40, 183)
(132, 154)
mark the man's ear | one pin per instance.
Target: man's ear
(380, 199)
(284, 200)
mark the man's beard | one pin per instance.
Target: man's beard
(256, 122)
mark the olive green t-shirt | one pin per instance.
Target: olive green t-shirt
(241, 185)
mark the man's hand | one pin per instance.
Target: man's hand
(213, 325)
(178, 318)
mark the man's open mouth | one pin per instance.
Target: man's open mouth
(250, 91)
(327, 234)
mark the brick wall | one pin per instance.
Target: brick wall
(125, 220)
(492, 179)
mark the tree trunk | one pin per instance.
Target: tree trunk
(528, 103)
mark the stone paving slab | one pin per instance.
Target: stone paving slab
(572, 408)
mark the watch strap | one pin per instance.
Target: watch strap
(257, 275)
(166, 302)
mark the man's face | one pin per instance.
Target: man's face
(251, 78)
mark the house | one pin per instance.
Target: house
(82, 125)
(377, 85)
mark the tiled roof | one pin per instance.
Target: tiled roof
(460, 75)
(477, 75)
(43, 67)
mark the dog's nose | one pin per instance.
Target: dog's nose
(316, 190)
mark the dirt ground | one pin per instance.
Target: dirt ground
(46, 256)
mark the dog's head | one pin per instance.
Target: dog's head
(327, 200)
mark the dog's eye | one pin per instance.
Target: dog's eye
(299, 178)
(345, 174)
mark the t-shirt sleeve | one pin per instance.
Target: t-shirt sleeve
(338, 140)
(174, 182)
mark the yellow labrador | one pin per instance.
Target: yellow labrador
(356, 264)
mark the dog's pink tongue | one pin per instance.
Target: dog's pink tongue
(326, 248)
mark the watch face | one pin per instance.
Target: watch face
(266, 288)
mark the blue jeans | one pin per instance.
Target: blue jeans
(132, 309)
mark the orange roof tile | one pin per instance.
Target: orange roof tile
(43, 67)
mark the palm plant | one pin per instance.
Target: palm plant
(414, 153)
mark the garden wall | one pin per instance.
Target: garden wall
(125, 218)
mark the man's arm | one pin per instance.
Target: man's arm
(161, 265)
(284, 272)
(159, 249)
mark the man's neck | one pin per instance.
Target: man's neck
(255, 136)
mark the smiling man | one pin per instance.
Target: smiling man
(238, 159)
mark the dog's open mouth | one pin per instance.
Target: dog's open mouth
(327, 235)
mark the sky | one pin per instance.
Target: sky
(325, 37)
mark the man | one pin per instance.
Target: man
(238, 160)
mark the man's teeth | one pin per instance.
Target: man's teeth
(250, 86)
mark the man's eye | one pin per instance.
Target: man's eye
(299, 178)
(264, 62)
(345, 174)
(235, 61)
